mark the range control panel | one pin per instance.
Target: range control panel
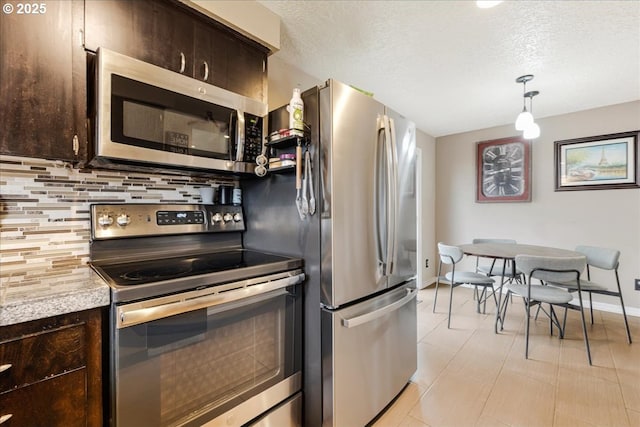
(109, 221)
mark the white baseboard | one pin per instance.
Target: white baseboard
(611, 308)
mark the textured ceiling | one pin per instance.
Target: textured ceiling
(451, 67)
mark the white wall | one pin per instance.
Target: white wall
(283, 78)
(427, 199)
(609, 218)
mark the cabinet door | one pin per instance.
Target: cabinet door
(156, 32)
(42, 84)
(53, 370)
(209, 64)
(166, 32)
(247, 68)
(234, 63)
(58, 401)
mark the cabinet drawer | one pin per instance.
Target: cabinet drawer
(30, 358)
(58, 401)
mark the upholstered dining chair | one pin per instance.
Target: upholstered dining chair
(546, 270)
(604, 259)
(451, 255)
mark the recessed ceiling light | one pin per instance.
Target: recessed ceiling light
(487, 4)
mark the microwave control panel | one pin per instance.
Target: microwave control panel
(252, 138)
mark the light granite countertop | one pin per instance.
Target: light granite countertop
(50, 292)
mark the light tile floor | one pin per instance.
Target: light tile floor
(470, 376)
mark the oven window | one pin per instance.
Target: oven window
(151, 117)
(199, 364)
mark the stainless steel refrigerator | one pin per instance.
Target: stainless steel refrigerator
(358, 248)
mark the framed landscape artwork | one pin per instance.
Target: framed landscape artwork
(598, 162)
(503, 170)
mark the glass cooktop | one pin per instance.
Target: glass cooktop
(143, 272)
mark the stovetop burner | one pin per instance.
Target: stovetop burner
(145, 275)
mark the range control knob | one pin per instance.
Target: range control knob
(227, 217)
(216, 218)
(105, 220)
(237, 217)
(123, 220)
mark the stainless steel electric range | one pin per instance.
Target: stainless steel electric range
(202, 331)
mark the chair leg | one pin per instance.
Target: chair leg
(624, 313)
(503, 315)
(484, 300)
(495, 299)
(450, 303)
(435, 297)
(538, 311)
(584, 329)
(526, 345)
(591, 306)
(564, 324)
(626, 322)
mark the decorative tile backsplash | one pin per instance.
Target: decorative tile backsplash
(44, 210)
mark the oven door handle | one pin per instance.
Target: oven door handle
(144, 312)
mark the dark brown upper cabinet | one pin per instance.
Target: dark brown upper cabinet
(168, 34)
(43, 81)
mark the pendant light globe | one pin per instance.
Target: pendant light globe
(524, 120)
(532, 131)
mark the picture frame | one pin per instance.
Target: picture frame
(602, 162)
(503, 170)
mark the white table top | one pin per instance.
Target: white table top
(510, 250)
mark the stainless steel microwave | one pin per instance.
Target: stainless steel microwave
(147, 116)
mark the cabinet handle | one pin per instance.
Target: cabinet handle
(183, 62)
(5, 367)
(75, 144)
(206, 71)
(5, 418)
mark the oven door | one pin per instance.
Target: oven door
(204, 357)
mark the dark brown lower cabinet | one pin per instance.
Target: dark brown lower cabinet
(51, 371)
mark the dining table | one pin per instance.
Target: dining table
(506, 252)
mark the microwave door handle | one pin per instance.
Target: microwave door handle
(239, 136)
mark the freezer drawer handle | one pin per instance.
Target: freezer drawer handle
(365, 318)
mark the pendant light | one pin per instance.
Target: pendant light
(524, 121)
(525, 118)
(532, 130)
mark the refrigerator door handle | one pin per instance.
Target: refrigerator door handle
(390, 195)
(393, 198)
(376, 314)
(379, 233)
